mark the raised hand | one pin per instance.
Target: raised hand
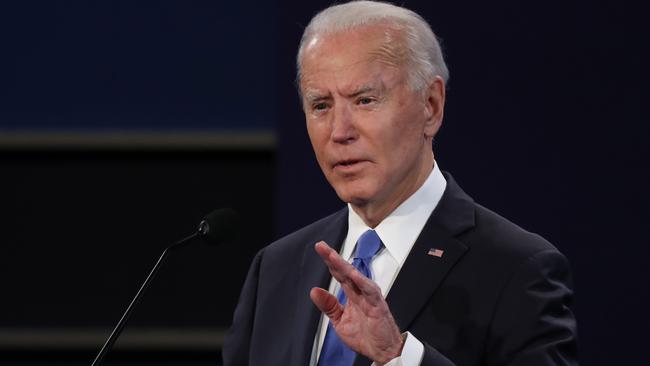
(364, 323)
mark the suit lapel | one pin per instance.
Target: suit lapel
(422, 273)
(314, 273)
(419, 277)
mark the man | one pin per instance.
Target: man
(418, 274)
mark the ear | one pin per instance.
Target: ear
(434, 106)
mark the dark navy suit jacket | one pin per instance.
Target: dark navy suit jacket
(499, 295)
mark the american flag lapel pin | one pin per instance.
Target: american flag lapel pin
(435, 252)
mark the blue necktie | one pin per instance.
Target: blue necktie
(334, 351)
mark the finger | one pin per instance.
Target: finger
(328, 254)
(366, 288)
(360, 288)
(323, 250)
(327, 303)
(353, 282)
(352, 292)
(338, 267)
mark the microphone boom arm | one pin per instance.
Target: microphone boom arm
(120, 325)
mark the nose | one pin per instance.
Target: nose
(343, 129)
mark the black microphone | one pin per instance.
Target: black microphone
(219, 225)
(216, 227)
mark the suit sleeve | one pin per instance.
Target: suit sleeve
(532, 323)
(237, 343)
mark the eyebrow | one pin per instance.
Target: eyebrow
(361, 90)
(313, 96)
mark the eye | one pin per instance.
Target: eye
(365, 100)
(319, 106)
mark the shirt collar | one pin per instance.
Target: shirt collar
(402, 227)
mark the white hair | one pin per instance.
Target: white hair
(423, 54)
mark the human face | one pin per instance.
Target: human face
(370, 132)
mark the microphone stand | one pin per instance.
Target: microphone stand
(120, 325)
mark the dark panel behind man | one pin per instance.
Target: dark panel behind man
(417, 273)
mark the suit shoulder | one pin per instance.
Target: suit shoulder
(309, 234)
(497, 235)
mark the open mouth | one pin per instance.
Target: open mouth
(349, 165)
(347, 162)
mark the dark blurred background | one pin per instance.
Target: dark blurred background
(123, 122)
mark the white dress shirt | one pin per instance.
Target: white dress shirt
(398, 233)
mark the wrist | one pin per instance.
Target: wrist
(393, 352)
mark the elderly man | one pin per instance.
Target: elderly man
(417, 273)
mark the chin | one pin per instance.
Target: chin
(353, 195)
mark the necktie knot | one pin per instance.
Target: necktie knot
(367, 245)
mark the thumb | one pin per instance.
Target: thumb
(327, 303)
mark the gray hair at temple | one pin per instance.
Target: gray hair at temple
(423, 54)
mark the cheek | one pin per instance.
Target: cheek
(402, 146)
(313, 134)
(318, 139)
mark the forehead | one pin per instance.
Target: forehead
(364, 49)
